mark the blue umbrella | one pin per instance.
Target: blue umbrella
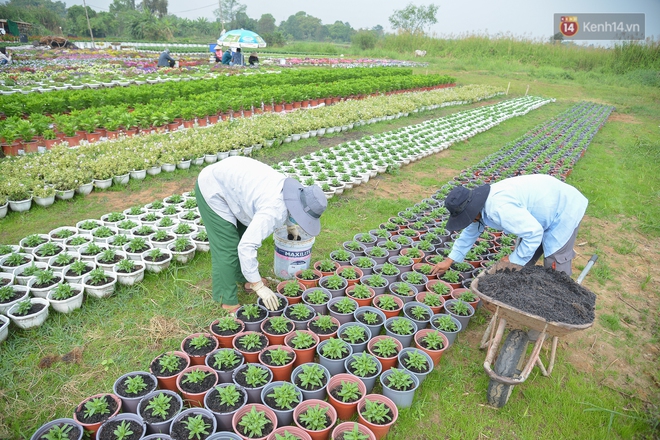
(241, 38)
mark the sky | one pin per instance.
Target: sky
(522, 18)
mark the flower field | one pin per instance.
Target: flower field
(140, 271)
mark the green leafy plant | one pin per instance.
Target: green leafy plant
(389, 269)
(49, 249)
(227, 323)
(399, 379)
(200, 341)
(181, 244)
(468, 296)
(286, 436)
(279, 357)
(255, 376)
(251, 341)
(385, 348)
(123, 430)
(97, 405)
(363, 365)
(135, 384)
(23, 307)
(300, 312)
(402, 326)
(377, 252)
(160, 405)
(376, 280)
(403, 289)
(376, 412)
(459, 307)
(355, 434)
(345, 305)
(414, 278)
(416, 360)
(370, 318)
(314, 419)
(33, 240)
(280, 324)
(441, 288)
(342, 255)
(107, 256)
(360, 291)
(7, 293)
(196, 426)
(349, 391)
(347, 273)
(354, 334)
(250, 311)
(334, 282)
(335, 349)
(168, 363)
(302, 340)
(451, 276)
(387, 302)
(324, 322)
(434, 341)
(225, 360)
(44, 277)
(79, 240)
(312, 376)
(137, 244)
(126, 265)
(419, 313)
(292, 289)
(14, 259)
(308, 274)
(326, 265)
(58, 432)
(97, 276)
(445, 323)
(317, 296)
(195, 376)
(228, 395)
(154, 254)
(285, 395)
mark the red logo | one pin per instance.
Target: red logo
(568, 26)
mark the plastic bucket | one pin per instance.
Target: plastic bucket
(291, 256)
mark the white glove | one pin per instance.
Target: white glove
(268, 297)
(293, 232)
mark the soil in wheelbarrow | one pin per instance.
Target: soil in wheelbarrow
(543, 292)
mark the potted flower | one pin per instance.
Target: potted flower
(366, 367)
(292, 290)
(388, 271)
(399, 386)
(308, 277)
(300, 314)
(352, 431)
(194, 382)
(193, 423)
(342, 257)
(249, 344)
(223, 401)
(311, 378)
(197, 346)
(62, 428)
(253, 378)
(333, 353)
(317, 298)
(254, 421)
(371, 317)
(252, 316)
(419, 313)
(75, 272)
(132, 387)
(326, 267)
(167, 367)
(361, 294)
(415, 361)
(289, 433)
(376, 281)
(342, 308)
(303, 343)
(96, 409)
(129, 272)
(460, 310)
(158, 410)
(65, 297)
(385, 349)
(432, 342)
(224, 361)
(344, 393)
(401, 328)
(276, 328)
(123, 426)
(378, 413)
(324, 326)
(439, 287)
(279, 358)
(29, 312)
(434, 301)
(447, 325)
(355, 334)
(224, 329)
(390, 305)
(157, 259)
(316, 417)
(282, 397)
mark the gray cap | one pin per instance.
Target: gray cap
(305, 204)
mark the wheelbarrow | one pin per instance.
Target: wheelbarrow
(508, 370)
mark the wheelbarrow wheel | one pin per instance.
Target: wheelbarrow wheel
(509, 363)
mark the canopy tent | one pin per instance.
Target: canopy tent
(241, 38)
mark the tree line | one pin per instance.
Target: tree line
(151, 20)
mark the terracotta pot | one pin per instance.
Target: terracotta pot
(293, 430)
(50, 143)
(200, 359)
(354, 281)
(201, 121)
(31, 147)
(389, 362)
(288, 106)
(345, 427)
(328, 101)
(435, 309)
(173, 126)
(361, 301)
(73, 141)
(302, 408)
(169, 382)
(304, 355)
(93, 137)
(283, 372)
(195, 399)
(456, 294)
(291, 299)
(436, 355)
(389, 313)
(276, 339)
(326, 336)
(250, 356)
(11, 149)
(279, 107)
(238, 415)
(345, 410)
(380, 431)
(325, 274)
(309, 283)
(91, 428)
(416, 266)
(247, 113)
(213, 119)
(431, 283)
(226, 341)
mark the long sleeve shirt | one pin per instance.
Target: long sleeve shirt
(539, 209)
(245, 190)
(163, 59)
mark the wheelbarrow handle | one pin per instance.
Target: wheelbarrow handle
(587, 268)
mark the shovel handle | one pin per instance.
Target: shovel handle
(587, 268)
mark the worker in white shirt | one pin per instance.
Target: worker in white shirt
(242, 201)
(542, 211)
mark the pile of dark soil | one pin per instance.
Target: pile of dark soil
(548, 293)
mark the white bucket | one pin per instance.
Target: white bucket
(291, 256)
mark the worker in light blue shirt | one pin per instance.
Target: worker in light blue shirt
(542, 211)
